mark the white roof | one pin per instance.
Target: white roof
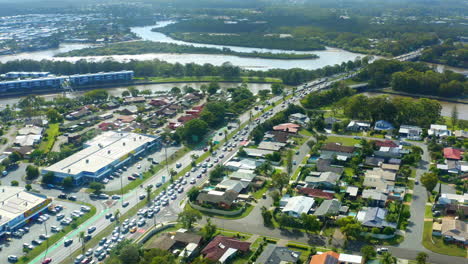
(100, 152)
(14, 201)
(229, 252)
(347, 258)
(438, 127)
(30, 130)
(28, 140)
(299, 204)
(460, 198)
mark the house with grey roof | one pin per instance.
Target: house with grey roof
(274, 254)
(325, 180)
(374, 217)
(328, 208)
(298, 205)
(232, 185)
(375, 198)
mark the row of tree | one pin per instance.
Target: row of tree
(448, 53)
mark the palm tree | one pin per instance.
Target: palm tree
(422, 258)
(387, 258)
(81, 238)
(117, 216)
(148, 193)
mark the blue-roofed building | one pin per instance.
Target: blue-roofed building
(383, 125)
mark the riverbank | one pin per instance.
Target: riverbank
(143, 47)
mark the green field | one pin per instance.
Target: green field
(51, 135)
(345, 141)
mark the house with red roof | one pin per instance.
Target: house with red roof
(184, 119)
(452, 154)
(386, 143)
(331, 257)
(287, 127)
(105, 126)
(223, 248)
(316, 193)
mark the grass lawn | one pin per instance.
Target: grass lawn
(245, 213)
(258, 194)
(428, 212)
(169, 229)
(329, 231)
(348, 171)
(437, 244)
(47, 143)
(408, 197)
(346, 141)
(305, 132)
(230, 233)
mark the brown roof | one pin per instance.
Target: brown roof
(316, 193)
(329, 257)
(227, 198)
(220, 244)
(187, 238)
(454, 228)
(338, 148)
(163, 242)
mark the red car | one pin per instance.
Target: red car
(131, 178)
(47, 261)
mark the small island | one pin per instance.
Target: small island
(142, 47)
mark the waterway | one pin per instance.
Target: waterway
(447, 107)
(330, 56)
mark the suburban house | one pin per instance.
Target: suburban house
(232, 185)
(276, 136)
(134, 100)
(396, 193)
(180, 240)
(299, 118)
(159, 102)
(452, 154)
(328, 208)
(298, 205)
(460, 133)
(273, 254)
(410, 132)
(379, 178)
(385, 143)
(126, 119)
(331, 257)
(376, 198)
(272, 146)
(383, 125)
(357, 126)
(389, 152)
(27, 140)
(390, 167)
(129, 110)
(373, 161)
(222, 248)
(352, 192)
(316, 193)
(30, 130)
(455, 231)
(331, 150)
(257, 153)
(439, 131)
(218, 198)
(454, 166)
(329, 121)
(323, 180)
(374, 217)
(287, 127)
(324, 165)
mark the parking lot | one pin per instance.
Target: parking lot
(36, 229)
(139, 167)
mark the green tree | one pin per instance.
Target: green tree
(267, 216)
(130, 253)
(209, 230)
(81, 238)
(188, 217)
(350, 227)
(289, 162)
(48, 178)
(54, 116)
(387, 258)
(429, 180)
(213, 87)
(97, 187)
(14, 183)
(454, 116)
(310, 222)
(368, 252)
(421, 258)
(192, 194)
(277, 88)
(28, 187)
(32, 172)
(193, 131)
(175, 91)
(67, 182)
(148, 193)
(217, 173)
(279, 180)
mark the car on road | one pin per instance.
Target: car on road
(91, 229)
(62, 196)
(12, 258)
(125, 204)
(382, 250)
(131, 178)
(72, 198)
(192, 181)
(178, 165)
(46, 261)
(109, 215)
(133, 230)
(68, 242)
(142, 196)
(115, 197)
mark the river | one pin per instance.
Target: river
(330, 56)
(447, 107)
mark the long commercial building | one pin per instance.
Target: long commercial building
(102, 77)
(14, 75)
(18, 207)
(57, 82)
(103, 155)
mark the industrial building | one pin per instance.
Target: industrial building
(103, 155)
(15, 75)
(30, 84)
(101, 77)
(18, 207)
(57, 82)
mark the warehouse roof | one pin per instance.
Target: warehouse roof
(15, 201)
(100, 152)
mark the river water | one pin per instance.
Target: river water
(330, 56)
